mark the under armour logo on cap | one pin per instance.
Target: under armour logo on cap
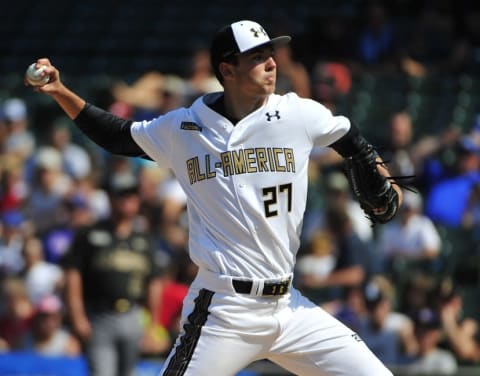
(248, 35)
(256, 32)
(240, 37)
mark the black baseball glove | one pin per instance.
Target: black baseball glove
(373, 191)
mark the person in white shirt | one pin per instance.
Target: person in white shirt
(411, 236)
(76, 161)
(41, 278)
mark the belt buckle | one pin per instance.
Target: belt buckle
(278, 288)
(121, 305)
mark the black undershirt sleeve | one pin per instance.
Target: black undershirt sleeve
(350, 143)
(108, 131)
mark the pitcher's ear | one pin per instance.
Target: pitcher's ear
(225, 70)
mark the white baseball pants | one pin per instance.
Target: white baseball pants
(223, 332)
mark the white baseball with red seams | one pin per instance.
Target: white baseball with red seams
(34, 75)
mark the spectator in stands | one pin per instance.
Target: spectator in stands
(331, 82)
(20, 141)
(416, 291)
(80, 213)
(405, 155)
(315, 207)
(47, 335)
(174, 290)
(50, 186)
(96, 198)
(16, 312)
(351, 309)
(171, 229)
(75, 159)
(350, 265)
(12, 239)
(152, 94)
(13, 187)
(318, 259)
(178, 275)
(145, 93)
(381, 330)
(111, 274)
(432, 359)
(459, 183)
(461, 332)
(399, 143)
(200, 78)
(155, 341)
(339, 196)
(41, 278)
(292, 74)
(149, 180)
(397, 321)
(75, 214)
(121, 171)
(410, 239)
(174, 93)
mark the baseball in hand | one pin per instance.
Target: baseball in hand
(34, 75)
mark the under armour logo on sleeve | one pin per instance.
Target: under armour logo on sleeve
(276, 114)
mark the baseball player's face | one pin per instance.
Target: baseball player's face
(256, 71)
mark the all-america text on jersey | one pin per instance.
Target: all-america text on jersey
(241, 161)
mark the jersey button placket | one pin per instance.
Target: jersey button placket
(242, 196)
(240, 184)
(238, 181)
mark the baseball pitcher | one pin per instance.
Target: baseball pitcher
(241, 156)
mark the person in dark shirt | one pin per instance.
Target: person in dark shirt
(351, 263)
(110, 275)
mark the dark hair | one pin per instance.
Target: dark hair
(221, 49)
(231, 59)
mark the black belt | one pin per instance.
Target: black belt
(270, 288)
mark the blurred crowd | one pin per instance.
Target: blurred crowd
(400, 285)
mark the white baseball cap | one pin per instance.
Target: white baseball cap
(240, 37)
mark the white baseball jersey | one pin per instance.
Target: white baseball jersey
(246, 183)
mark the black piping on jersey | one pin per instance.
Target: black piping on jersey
(188, 341)
(108, 131)
(350, 143)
